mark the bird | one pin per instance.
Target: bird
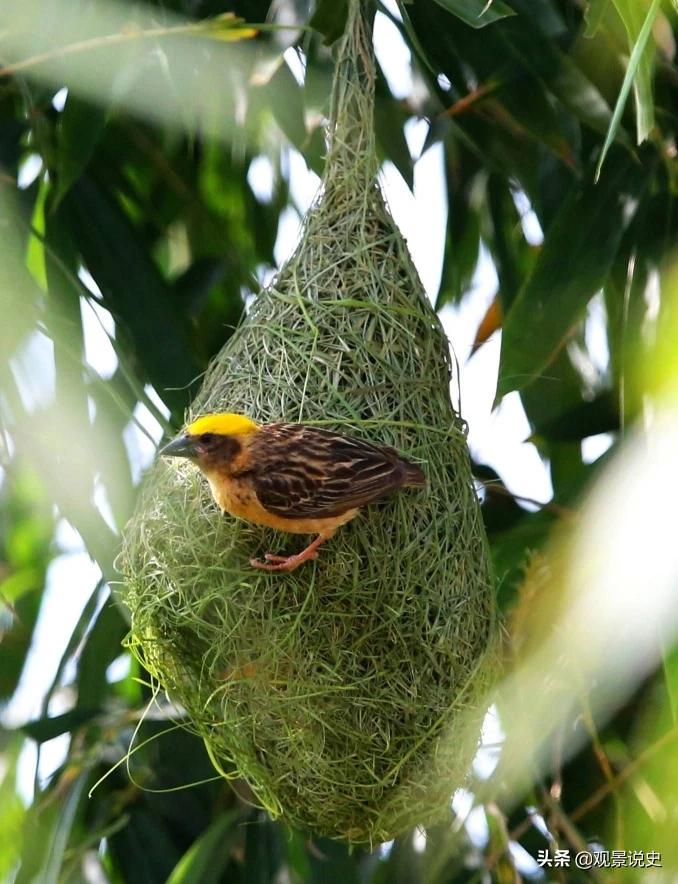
(293, 477)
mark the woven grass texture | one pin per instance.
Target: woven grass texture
(349, 693)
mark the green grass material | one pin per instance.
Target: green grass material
(349, 693)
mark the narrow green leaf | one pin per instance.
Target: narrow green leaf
(638, 68)
(389, 120)
(101, 648)
(13, 811)
(115, 255)
(575, 259)
(284, 97)
(630, 12)
(334, 863)
(47, 835)
(593, 15)
(263, 850)
(477, 13)
(206, 860)
(45, 729)
(580, 96)
(80, 127)
(296, 854)
(588, 418)
(404, 864)
(85, 620)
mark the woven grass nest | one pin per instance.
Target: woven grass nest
(349, 693)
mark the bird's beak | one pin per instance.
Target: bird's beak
(182, 446)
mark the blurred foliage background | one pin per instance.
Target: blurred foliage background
(133, 230)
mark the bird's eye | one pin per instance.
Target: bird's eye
(207, 438)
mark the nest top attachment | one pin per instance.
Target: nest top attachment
(349, 693)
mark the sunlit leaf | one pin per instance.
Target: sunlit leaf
(631, 12)
(207, 859)
(46, 835)
(594, 13)
(227, 27)
(477, 13)
(638, 74)
(13, 810)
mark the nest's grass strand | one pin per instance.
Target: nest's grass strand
(349, 693)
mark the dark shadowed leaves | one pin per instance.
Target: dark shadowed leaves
(575, 259)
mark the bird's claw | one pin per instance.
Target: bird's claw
(272, 558)
(282, 563)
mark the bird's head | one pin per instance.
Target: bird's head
(213, 439)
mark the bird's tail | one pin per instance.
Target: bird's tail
(412, 474)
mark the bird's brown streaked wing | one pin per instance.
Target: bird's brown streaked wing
(305, 472)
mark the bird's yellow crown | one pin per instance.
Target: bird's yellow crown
(222, 424)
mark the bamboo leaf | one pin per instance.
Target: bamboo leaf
(575, 259)
(80, 128)
(639, 75)
(593, 16)
(45, 729)
(477, 13)
(206, 861)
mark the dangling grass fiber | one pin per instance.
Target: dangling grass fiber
(349, 693)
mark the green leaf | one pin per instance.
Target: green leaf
(477, 13)
(582, 98)
(575, 259)
(144, 849)
(630, 12)
(329, 19)
(334, 863)
(45, 729)
(638, 75)
(589, 418)
(389, 120)
(80, 127)
(20, 297)
(297, 857)
(593, 16)
(114, 253)
(284, 98)
(101, 648)
(404, 864)
(207, 859)
(13, 811)
(85, 620)
(263, 850)
(47, 834)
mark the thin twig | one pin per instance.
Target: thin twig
(606, 788)
(131, 33)
(595, 797)
(467, 101)
(492, 487)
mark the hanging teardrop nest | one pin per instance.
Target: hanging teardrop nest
(349, 693)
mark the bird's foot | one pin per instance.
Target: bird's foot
(271, 558)
(282, 563)
(289, 563)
